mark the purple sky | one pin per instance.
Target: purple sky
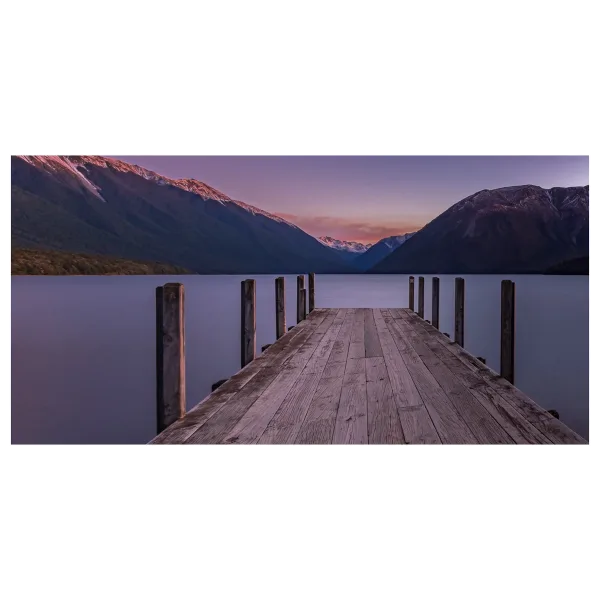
(364, 198)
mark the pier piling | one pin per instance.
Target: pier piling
(280, 307)
(311, 292)
(170, 355)
(459, 311)
(248, 321)
(411, 293)
(421, 310)
(507, 330)
(435, 302)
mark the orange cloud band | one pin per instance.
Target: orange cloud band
(349, 230)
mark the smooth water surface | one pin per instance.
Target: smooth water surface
(83, 348)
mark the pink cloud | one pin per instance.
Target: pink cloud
(348, 229)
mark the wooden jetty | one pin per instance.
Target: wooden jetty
(361, 376)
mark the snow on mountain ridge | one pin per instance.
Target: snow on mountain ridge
(74, 164)
(396, 240)
(355, 247)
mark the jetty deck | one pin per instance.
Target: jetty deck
(367, 376)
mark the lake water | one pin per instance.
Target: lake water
(83, 348)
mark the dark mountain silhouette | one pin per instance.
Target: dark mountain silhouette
(520, 229)
(104, 206)
(574, 266)
(377, 252)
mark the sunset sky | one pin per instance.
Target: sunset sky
(364, 198)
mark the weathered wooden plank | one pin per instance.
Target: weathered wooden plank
(519, 428)
(411, 293)
(351, 420)
(357, 340)
(421, 309)
(304, 330)
(319, 423)
(435, 302)
(417, 426)
(336, 365)
(459, 311)
(252, 425)
(383, 422)
(507, 330)
(181, 430)
(481, 422)
(402, 383)
(557, 433)
(414, 418)
(311, 292)
(449, 424)
(372, 343)
(170, 355)
(159, 360)
(313, 341)
(287, 420)
(280, 328)
(215, 429)
(248, 345)
(299, 288)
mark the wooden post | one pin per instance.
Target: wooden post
(311, 292)
(299, 288)
(435, 302)
(421, 311)
(411, 293)
(302, 304)
(459, 311)
(279, 307)
(248, 321)
(170, 355)
(507, 330)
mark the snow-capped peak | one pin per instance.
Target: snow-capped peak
(355, 247)
(77, 165)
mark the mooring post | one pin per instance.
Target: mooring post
(279, 307)
(170, 355)
(311, 292)
(435, 302)
(248, 321)
(459, 311)
(421, 311)
(299, 288)
(507, 330)
(411, 293)
(303, 304)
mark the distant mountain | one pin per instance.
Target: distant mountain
(575, 266)
(519, 229)
(30, 261)
(377, 252)
(347, 250)
(104, 206)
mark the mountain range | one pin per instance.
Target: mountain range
(518, 229)
(347, 250)
(377, 252)
(103, 206)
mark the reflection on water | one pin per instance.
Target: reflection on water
(83, 347)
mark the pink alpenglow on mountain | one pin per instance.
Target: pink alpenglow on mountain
(355, 247)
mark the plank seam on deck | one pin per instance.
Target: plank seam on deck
(453, 379)
(507, 390)
(347, 319)
(434, 341)
(436, 387)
